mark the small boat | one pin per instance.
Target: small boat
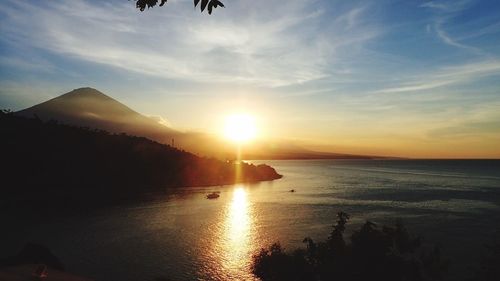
(213, 195)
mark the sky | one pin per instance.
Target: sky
(397, 78)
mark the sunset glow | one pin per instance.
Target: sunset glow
(240, 128)
(359, 84)
(203, 140)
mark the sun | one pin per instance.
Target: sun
(240, 128)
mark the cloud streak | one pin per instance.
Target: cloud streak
(445, 11)
(446, 76)
(340, 72)
(260, 49)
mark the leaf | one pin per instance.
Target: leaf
(142, 4)
(210, 5)
(203, 4)
(217, 3)
(213, 4)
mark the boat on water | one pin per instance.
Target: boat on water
(213, 195)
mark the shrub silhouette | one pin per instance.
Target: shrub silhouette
(489, 268)
(33, 253)
(388, 253)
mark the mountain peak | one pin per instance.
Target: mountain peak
(81, 101)
(86, 107)
(85, 92)
(91, 108)
(86, 89)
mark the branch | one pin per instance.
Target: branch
(205, 4)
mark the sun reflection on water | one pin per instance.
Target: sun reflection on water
(236, 239)
(238, 219)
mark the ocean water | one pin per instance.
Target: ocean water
(184, 236)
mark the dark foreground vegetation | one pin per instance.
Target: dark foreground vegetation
(489, 268)
(47, 161)
(386, 253)
(32, 253)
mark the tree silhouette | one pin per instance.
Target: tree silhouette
(388, 253)
(205, 4)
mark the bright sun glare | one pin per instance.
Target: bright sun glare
(240, 128)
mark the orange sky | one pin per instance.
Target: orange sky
(411, 80)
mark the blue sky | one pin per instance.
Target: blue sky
(405, 78)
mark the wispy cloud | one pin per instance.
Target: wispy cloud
(17, 95)
(481, 121)
(448, 6)
(345, 72)
(446, 10)
(450, 75)
(486, 30)
(451, 41)
(27, 64)
(293, 46)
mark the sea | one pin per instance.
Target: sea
(182, 235)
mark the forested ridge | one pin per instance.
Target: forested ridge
(47, 160)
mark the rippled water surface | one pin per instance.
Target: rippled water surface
(184, 236)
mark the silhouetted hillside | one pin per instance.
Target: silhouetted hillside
(47, 160)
